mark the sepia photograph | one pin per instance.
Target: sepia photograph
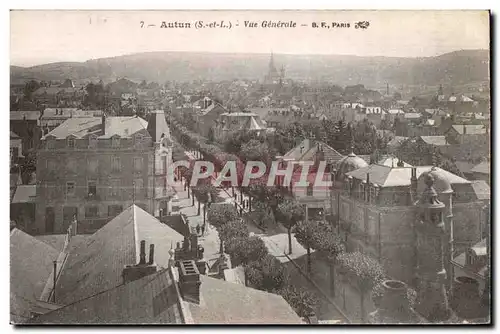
(226, 167)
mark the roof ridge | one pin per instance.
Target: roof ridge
(136, 233)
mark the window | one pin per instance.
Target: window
(71, 142)
(115, 142)
(137, 164)
(51, 165)
(138, 187)
(92, 141)
(93, 164)
(70, 188)
(114, 210)
(309, 189)
(50, 144)
(138, 140)
(71, 164)
(91, 212)
(116, 165)
(92, 188)
(115, 187)
(50, 190)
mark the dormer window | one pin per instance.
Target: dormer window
(71, 142)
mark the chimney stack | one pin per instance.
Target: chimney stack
(367, 188)
(136, 271)
(189, 281)
(151, 254)
(103, 121)
(413, 182)
(142, 255)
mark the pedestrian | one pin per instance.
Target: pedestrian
(203, 230)
(198, 229)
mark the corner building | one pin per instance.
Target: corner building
(94, 167)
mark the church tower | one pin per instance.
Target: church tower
(432, 301)
(272, 76)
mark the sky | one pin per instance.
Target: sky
(39, 37)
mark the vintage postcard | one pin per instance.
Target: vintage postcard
(250, 167)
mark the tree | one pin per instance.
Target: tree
(305, 233)
(302, 301)
(30, 87)
(289, 213)
(220, 214)
(233, 229)
(266, 274)
(330, 245)
(261, 215)
(364, 271)
(205, 193)
(246, 250)
(255, 150)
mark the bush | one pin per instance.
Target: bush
(266, 274)
(245, 250)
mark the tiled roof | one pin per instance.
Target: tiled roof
(229, 303)
(435, 140)
(124, 126)
(15, 180)
(157, 125)
(58, 112)
(31, 115)
(391, 161)
(150, 300)
(25, 194)
(31, 264)
(481, 189)
(80, 127)
(96, 265)
(396, 141)
(470, 129)
(482, 168)
(386, 176)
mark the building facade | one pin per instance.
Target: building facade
(94, 167)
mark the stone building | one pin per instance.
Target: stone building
(376, 208)
(93, 167)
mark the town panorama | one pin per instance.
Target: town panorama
(285, 196)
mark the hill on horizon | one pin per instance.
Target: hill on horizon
(455, 68)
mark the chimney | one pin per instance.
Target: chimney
(413, 181)
(189, 281)
(367, 188)
(194, 247)
(103, 121)
(136, 271)
(393, 305)
(151, 254)
(142, 255)
(55, 281)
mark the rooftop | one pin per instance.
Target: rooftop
(96, 264)
(25, 194)
(123, 126)
(386, 176)
(31, 264)
(230, 303)
(150, 300)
